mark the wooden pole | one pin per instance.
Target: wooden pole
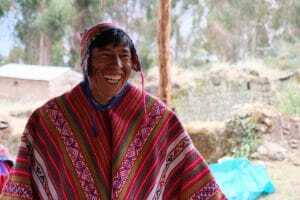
(164, 27)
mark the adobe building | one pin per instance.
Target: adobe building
(34, 82)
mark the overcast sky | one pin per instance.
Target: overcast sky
(6, 33)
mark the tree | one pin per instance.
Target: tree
(40, 26)
(4, 7)
(164, 50)
(231, 30)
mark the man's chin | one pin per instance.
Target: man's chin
(115, 89)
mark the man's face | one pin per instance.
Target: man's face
(110, 69)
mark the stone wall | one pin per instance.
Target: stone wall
(217, 94)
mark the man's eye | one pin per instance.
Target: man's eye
(104, 56)
(124, 56)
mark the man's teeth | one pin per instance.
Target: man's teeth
(112, 78)
(112, 81)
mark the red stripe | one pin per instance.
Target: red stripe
(68, 175)
(170, 186)
(17, 172)
(99, 159)
(134, 106)
(193, 164)
(162, 147)
(22, 160)
(141, 167)
(53, 143)
(102, 161)
(144, 181)
(88, 110)
(175, 184)
(195, 178)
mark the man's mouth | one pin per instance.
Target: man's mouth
(112, 79)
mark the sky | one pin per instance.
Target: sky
(7, 24)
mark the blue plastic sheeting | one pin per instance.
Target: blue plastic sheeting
(241, 180)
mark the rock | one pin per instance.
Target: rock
(216, 81)
(208, 139)
(5, 130)
(271, 151)
(285, 131)
(296, 163)
(268, 122)
(20, 113)
(254, 73)
(245, 133)
(294, 158)
(3, 125)
(294, 144)
(262, 128)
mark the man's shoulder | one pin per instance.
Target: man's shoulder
(152, 98)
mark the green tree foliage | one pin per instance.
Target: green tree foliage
(41, 21)
(202, 30)
(4, 6)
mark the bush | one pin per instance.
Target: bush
(243, 136)
(289, 100)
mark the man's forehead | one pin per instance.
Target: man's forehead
(113, 47)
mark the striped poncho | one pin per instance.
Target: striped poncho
(72, 149)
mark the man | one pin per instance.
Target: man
(106, 139)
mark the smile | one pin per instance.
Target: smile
(113, 79)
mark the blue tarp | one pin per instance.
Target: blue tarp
(241, 180)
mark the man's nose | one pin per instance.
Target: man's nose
(118, 61)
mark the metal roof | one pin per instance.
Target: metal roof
(32, 72)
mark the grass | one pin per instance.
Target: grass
(289, 100)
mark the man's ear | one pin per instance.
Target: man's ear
(136, 65)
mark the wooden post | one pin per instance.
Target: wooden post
(164, 27)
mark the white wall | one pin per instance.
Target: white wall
(16, 89)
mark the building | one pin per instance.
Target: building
(34, 82)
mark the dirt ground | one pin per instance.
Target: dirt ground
(286, 179)
(284, 174)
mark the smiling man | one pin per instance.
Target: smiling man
(106, 139)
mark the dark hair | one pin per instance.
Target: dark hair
(113, 36)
